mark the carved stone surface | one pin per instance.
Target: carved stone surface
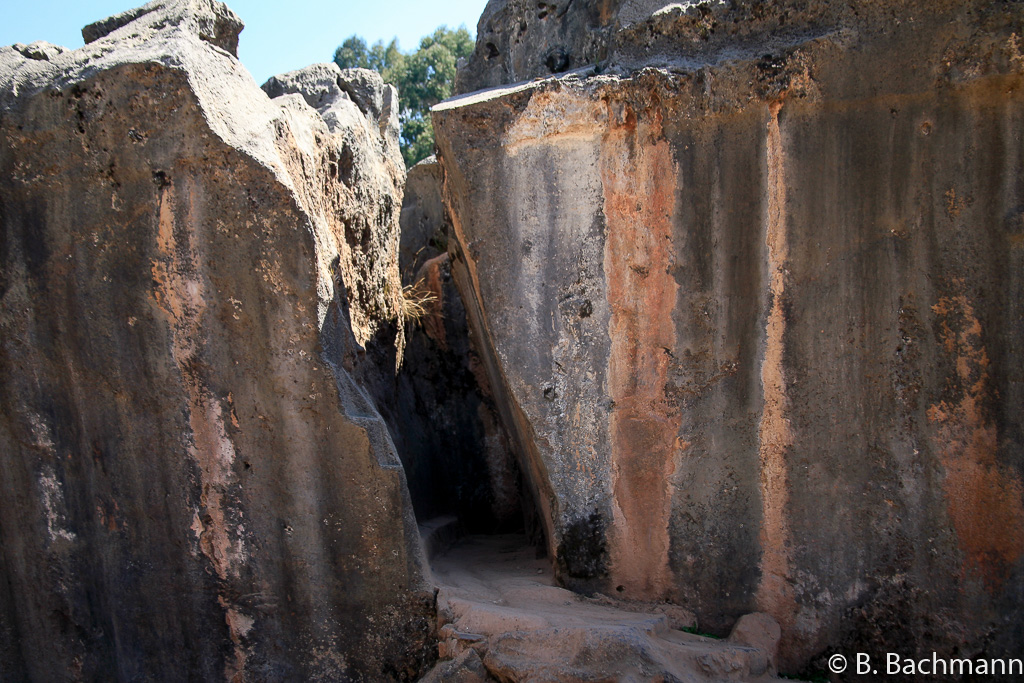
(755, 314)
(194, 487)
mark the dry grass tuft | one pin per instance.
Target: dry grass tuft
(416, 300)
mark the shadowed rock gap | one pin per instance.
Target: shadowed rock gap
(454, 447)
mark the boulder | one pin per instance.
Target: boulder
(194, 486)
(333, 91)
(466, 668)
(522, 39)
(750, 301)
(519, 40)
(760, 631)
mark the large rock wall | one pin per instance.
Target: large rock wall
(194, 488)
(756, 321)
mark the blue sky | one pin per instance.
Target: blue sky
(278, 36)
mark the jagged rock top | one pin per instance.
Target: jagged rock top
(39, 50)
(350, 116)
(199, 37)
(332, 91)
(212, 21)
(519, 40)
(169, 32)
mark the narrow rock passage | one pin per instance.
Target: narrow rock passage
(501, 617)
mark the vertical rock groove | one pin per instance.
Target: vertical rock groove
(774, 593)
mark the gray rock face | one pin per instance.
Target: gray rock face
(755, 316)
(519, 39)
(210, 20)
(424, 223)
(194, 487)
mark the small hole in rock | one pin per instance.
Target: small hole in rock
(557, 60)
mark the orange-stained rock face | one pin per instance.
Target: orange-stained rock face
(985, 498)
(757, 308)
(775, 592)
(638, 181)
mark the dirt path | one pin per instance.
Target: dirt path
(502, 617)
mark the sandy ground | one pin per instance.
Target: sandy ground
(501, 617)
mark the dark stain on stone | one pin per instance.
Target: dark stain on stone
(346, 165)
(31, 238)
(583, 553)
(5, 266)
(161, 179)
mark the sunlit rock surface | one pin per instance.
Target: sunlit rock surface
(750, 291)
(193, 486)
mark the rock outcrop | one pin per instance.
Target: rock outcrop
(749, 293)
(521, 39)
(194, 486)
(518, 40)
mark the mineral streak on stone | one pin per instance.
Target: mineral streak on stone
(966, 441)
(774, 438)
(639, 206)
(194, 487)
(812, 406)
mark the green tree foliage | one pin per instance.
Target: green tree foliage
(354, 53)
(423, 78)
